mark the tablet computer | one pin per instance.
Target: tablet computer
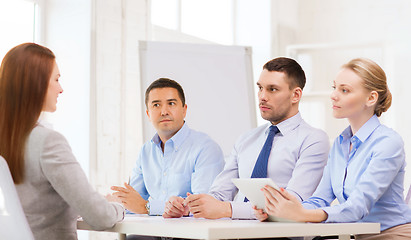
(251, 188)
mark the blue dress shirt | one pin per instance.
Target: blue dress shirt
(297, 159)
(368, 181)
(190, 162)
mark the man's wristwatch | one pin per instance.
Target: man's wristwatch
(148, 207)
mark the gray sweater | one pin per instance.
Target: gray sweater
(56, 191)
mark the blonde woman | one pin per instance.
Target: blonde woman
(51, 185)
(365, 169)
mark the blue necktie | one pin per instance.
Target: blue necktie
(260, 168)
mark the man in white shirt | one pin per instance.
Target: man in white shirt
(295, 161)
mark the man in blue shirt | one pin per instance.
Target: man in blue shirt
(176, 160)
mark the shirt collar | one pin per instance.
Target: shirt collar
(44, 123)
(364, 132)
(177, 139)
(287, 125)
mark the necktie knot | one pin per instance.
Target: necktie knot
(274, 129)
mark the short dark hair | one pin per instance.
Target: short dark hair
(290, 67)
(165, 83)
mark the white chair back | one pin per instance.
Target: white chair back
(13, 222)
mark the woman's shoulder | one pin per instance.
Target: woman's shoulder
(386, 143)
(41, 130)
(42, 135)
(386, 134)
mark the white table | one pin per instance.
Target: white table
(192, 228)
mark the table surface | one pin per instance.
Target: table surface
(189, 227)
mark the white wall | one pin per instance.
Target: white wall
(115, 125)
(115, 99)
(380, 22)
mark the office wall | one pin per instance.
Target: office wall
(385, 23)
(115, 124)
(115, 100)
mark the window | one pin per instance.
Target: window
(165, 13)
(17, 18)
(210, 20)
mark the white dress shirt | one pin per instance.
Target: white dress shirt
(298, 156)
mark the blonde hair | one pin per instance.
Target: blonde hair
(374, 79)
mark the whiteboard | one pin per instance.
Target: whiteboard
(217, 82)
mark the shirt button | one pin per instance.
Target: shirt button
(164, 192)
(165, 174)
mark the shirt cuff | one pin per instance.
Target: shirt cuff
(156, 207)
(242, 210)
(308, 205)
(295, 194)
(333, 213)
